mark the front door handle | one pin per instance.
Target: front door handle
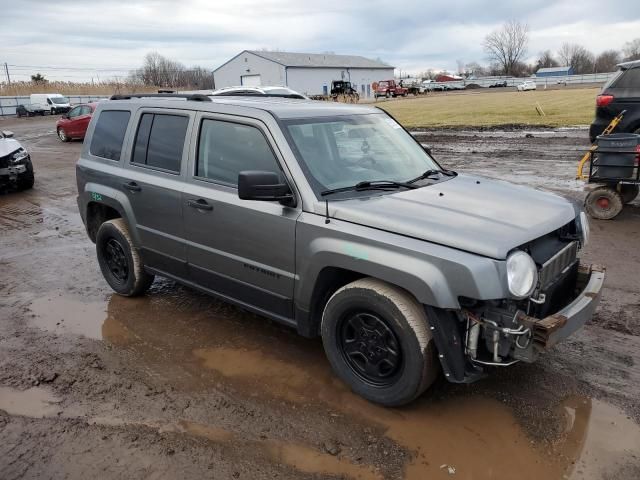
(132, 186)
(200, 204)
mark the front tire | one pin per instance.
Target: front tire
(120, 261)
(62, 135)
(377, 339)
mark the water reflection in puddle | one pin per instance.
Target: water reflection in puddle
(476, 435)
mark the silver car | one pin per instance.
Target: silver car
(265, 91)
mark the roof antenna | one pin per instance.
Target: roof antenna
(326, 218)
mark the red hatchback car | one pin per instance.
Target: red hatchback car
(74, 123)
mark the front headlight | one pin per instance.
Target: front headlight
(19, 155)
(522, 274)
(583, 227)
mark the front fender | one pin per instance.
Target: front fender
(436, 275)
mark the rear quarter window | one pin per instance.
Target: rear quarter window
(108, 134)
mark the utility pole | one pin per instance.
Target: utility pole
(6, 69)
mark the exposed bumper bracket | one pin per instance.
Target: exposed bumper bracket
(551, 330)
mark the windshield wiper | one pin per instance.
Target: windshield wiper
(369, 185)
(431, 173)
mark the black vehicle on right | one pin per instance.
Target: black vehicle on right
(621, 92)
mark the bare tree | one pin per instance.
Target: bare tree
(631, 50)
(607, 61)
(475, 69)
(507, 45)
(546, 60)
(162, 72)
(577, 57)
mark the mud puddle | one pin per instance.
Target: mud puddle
(196, 342)
(35, 402)
(66, 315)
(300, 457)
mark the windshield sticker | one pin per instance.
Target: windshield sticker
(96, 196)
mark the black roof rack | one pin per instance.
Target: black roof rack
(196, 97)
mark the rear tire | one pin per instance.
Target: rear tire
(120, 261)
(377, 339)
(603, 203)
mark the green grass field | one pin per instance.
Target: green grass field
(562, 107)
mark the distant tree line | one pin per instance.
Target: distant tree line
(507, 47)
(161, 71)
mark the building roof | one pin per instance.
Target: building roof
(553, 69)
(316, 60)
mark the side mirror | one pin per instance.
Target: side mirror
(7, 134)
(256, 185)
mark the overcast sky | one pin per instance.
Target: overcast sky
(103, 38)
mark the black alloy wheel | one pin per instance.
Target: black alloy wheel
(370, 348)
(116, 260)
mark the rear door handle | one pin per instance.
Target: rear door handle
(200, 204)
(132, 186)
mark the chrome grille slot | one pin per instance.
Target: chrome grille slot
(557, 265)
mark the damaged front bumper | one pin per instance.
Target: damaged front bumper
(547, 332)
(470, 340)
(10, 174)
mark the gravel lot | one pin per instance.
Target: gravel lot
(178, 385)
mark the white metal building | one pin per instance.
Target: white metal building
(308, 73)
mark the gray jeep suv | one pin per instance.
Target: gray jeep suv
(332, 219)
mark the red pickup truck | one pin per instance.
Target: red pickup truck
(389, 88)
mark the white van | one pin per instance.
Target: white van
(51, 102)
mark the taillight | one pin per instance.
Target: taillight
(603, 100)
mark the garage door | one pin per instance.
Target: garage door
(250, 80)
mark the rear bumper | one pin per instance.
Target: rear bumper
(551, 330)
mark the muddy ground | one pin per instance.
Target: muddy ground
(179, 385)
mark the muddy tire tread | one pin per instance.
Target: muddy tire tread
(142, 279)
(415, 315)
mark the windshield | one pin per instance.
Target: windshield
(60, 100)
(337, 152)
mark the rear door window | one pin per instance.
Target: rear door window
(108, 134)
(160, 141)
